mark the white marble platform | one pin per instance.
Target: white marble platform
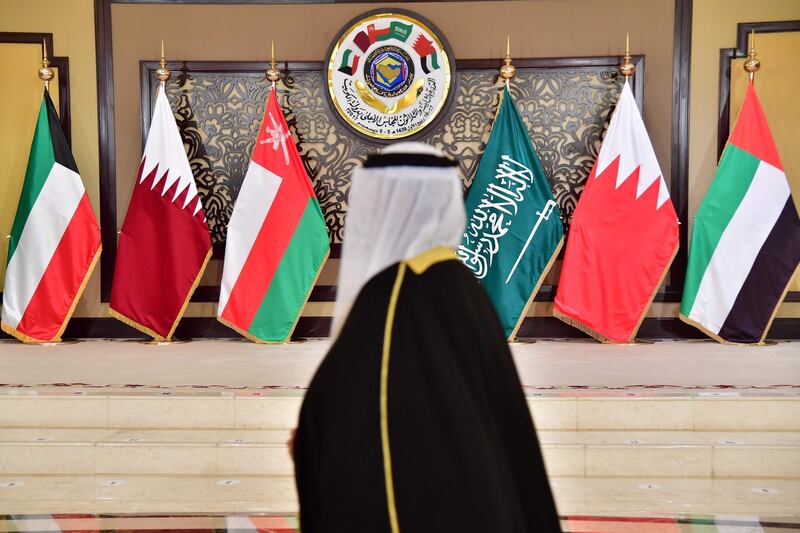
(646, 429)
(541, 364)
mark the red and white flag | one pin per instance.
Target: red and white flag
(623, 236)
(54, 242)
(164, 244)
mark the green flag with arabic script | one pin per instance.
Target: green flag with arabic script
(514, 229)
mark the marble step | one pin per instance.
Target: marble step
(559, 410)
(644, 496)
(677, 454)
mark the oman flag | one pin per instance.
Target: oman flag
(164, 244)
(277, 241)
(746, 237)
(54, 242)
(624, 234)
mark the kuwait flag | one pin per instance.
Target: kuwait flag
(55, 239)
(277, 240)
(745, 243)
(164, 244)
(624, 234)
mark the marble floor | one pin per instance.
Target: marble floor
(775, 499)
(276, 523)
(545, 364)
(699, 437)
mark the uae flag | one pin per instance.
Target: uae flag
(745, 243)
(277, 240)
(164, 244)
(514, 230)
(623, 237)
(55, 240)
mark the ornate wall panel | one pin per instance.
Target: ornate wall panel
(564, 103)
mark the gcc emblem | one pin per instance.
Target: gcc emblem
(389, 74)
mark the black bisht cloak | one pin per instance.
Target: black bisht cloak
(442, 440)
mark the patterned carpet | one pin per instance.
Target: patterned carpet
(87, 523)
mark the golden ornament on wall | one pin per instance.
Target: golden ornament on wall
(389, 74)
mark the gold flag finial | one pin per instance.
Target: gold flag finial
(752, 63)
(627, 68)
(273, 73)
(162, 72)
(508, 71)
(45, 72)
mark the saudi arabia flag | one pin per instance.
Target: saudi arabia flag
(54, 242)
(514, 229)
(277, 239)
(746, 238)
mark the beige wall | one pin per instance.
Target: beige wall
(72, 24)
(302, 32)
(714, 27)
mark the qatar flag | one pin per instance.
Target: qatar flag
(623, 237)
(164, 244)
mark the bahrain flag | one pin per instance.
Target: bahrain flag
(164, 244)
(623, 237)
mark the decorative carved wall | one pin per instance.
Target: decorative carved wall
(565, 105)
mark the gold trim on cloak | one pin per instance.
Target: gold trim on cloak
(418, 264)
(422, 262)
(384, 393)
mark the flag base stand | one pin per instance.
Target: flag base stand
(59, 343)
(634, 342)
(521, 341)
(164, 343)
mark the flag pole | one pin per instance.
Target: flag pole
(45, 72)
(273, 72)
(752, 64)
(508, 71)
(627, 68)
(162, 73)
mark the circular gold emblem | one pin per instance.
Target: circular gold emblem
(389, 74)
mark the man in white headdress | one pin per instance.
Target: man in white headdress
(416, 419)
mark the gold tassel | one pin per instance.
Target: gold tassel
(288, 337)
(547, 268)
(57, 338)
